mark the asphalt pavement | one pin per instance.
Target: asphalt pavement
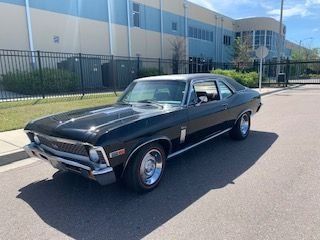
(266, 187)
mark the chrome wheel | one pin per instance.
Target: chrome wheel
(151, 167)
(244, 124)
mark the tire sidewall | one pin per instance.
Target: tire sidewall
(239, 126)
(139, 158)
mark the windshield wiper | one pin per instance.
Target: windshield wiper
(150, 102)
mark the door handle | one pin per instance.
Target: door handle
(225, 106)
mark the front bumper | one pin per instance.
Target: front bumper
(103, 176)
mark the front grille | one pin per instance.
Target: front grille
(77, 149)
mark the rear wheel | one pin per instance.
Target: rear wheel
(241, 129)
(145, 169)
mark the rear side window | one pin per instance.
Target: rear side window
(225, 91)
(208, 89)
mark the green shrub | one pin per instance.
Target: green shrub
(248, 79)
(29, 83)
(147, 72)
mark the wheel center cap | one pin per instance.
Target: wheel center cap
(149, 167)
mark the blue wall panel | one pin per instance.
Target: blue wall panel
(118, 12)
(17, 2)
(168, 19)
(149, 19)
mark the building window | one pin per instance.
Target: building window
(136, 14)
(211, 36)
(226, 40)
(202, 34)
(191, 32)
(259, 38)
(199, 33)
(174, 26)
(207, 36)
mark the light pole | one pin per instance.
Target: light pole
(300, 45)
(280, 38)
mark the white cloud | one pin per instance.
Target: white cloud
(222, 5)
(297, 10)
(315, 30)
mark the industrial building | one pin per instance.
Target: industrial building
(131, 28)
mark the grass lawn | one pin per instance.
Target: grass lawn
(15, 115)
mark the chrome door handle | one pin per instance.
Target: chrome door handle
(225, 106)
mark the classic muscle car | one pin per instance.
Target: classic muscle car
(155, 119)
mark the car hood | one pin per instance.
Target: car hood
(81, 124)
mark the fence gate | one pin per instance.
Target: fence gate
(292, 72)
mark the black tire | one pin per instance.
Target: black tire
(132, 174)
(236, 132)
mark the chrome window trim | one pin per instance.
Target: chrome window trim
(69, 141)
(228, 85)
(200, 80)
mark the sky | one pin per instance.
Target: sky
(302, 17)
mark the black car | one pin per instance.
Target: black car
(155, 119)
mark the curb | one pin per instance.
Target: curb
(280, 90)
(15, 156)
(20, 154)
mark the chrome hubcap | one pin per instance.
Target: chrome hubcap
(151, 167)
(244, 124)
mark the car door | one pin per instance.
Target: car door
(204, 118)
(227, 95)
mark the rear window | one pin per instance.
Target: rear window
(237, 86)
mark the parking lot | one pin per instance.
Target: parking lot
(266, 187)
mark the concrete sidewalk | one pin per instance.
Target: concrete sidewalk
(11, 146)
(12, 142)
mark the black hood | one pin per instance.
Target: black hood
(81, 124)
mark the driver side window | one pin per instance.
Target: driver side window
(205, 92)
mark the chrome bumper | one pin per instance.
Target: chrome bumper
(102, 176)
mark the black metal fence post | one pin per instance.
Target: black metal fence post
(81, 74)
(287, 71)
(138, 66)
(159, 65)
(113, 72)
(40, 73)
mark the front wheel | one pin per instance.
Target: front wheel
(241, 129)
(146, 168)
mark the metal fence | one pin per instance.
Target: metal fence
(291, 72)
(38, 74)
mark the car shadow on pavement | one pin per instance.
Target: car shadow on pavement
(83, 209)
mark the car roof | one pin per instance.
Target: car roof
(188, 77)
(180, 77)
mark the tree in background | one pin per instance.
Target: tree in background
(242, 49)
(179, 53)
(310, 57)
(305, 54)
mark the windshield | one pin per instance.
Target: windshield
(163, 92)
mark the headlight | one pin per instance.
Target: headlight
(94, 156)
(36, 139)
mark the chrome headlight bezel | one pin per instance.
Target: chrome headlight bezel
(94, 155)
(36, 140)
